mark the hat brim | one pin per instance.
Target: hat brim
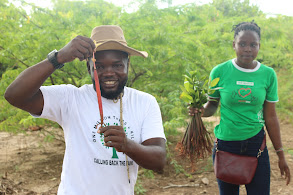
(114, 45)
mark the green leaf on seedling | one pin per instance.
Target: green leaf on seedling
(196, 88)
(217, 88)
(211, 91)
(187, 78)
(183, 89)
(206, 82)
(186, 98)
(214, 82)
(188, 87)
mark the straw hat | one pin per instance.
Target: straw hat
(111, 37)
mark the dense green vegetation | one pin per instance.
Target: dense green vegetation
(177, 39)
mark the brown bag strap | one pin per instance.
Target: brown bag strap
(262, 147)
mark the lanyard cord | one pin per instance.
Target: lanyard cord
(121, 124)
(97, 85)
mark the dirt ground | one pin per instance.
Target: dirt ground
(29, 166)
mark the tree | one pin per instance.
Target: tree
(177, 38)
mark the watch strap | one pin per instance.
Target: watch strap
(52, 57)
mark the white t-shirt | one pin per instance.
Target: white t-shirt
(89, 167)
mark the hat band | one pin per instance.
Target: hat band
(97, 43)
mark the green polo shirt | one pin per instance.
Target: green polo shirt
(242, 98)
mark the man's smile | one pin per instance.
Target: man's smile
(110, 84)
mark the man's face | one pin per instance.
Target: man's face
(112, 72)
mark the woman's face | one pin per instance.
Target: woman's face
(246, 45)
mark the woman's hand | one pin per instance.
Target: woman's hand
(192, 111)
(206, 110)
(284, 169)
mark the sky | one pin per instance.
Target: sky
(270, 7)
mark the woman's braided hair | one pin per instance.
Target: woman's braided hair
(246, 26)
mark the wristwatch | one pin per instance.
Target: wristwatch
(52, 57)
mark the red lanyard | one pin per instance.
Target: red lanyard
(97, 84)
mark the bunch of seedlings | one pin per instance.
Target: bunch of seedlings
(196, 142)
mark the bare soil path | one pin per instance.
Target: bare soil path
(30, 166)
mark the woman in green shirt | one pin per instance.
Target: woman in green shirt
(248, 95)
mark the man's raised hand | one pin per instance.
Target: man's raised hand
(80, 47)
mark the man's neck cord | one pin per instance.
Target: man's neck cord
(97, 84)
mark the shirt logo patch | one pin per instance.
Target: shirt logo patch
(245, 83)
(244, 92)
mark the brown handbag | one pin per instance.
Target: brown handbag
(234, 168)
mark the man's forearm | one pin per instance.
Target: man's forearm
(151, 157)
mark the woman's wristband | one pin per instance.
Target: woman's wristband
(279, 150)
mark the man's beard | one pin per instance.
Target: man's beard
(113, 94)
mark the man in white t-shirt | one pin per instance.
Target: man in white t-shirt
(107, 139)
